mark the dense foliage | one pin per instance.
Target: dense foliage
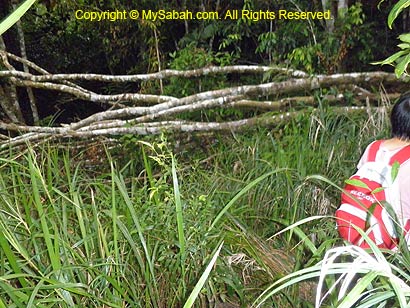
(142, 45)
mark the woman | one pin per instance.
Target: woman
(383, 176)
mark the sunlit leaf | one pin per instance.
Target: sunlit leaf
(357, 183)
(194, 294)
(378, 189)
(392, 58)
(396, 10)
(405, 37)
(358, 289)
(395, 170)
(9, 21)
(404, 46)
(402, 66)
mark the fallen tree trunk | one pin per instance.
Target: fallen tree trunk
(117, 128)
(290, 86)
(142, 114)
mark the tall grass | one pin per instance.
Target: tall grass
(70, 240)
(348, 276)
(147, 231)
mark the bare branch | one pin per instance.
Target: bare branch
(9, 102)
(34, 67)
(303, 101)
(203, 105)
(213, 70)
(157, 113)
(38, 132)
(94, 97)
(22, 43)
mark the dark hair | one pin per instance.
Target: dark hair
(400, 118)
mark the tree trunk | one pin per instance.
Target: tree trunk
(330, 23)
(22, 43)
(8, 92)
(342, 7)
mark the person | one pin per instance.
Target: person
(383, 175)
(400, 138)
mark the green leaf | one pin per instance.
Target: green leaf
(378, 189)
(404, 46)
(379, 4)
(405, 37)
(370, 213)
(9, 21)
(194, 294)
(402, 66)
(10, 256)
(180, 222)
(294, 227)
(396, 10)
(357, 183)
(395, 170)
(241, 193)
(357, 292)
(392, 58)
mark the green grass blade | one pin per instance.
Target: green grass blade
(10, 20)
(323, 179)
(377, 298)
(34, 294)
(287, 281)
(2, 305)
(396, 10)
(11, 240)
(180, 221)
(75, 199)
(357, 291)
(152, 283)
(19, 299)
(114, 215)
(299, 232)
(35, 176)
(241, 193)
(148, 170)
(194, 294)
(11, 258)
(398, 289)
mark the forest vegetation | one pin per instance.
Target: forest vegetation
(179, 163)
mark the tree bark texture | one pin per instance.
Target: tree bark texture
(9, 100)
(22, 43)
(135, 113)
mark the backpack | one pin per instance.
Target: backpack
(367, 198)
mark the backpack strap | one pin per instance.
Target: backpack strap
(401, 156)
(373, 149)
